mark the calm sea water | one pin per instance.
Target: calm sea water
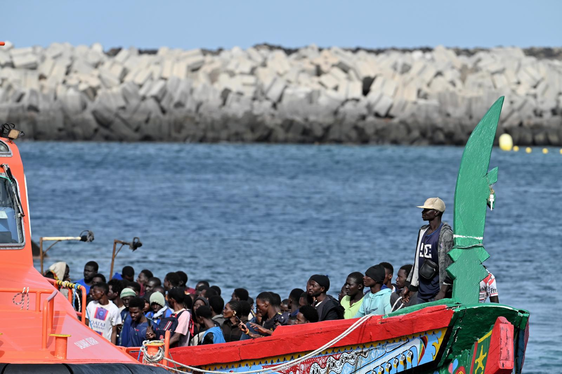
(266, 217)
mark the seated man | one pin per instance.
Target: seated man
(353, 298)
(377, 301)
(306, 314)
(213, 333)
(488, 288)
(327, 307)
(401, 278)
(268, 316)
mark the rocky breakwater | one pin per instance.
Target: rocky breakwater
(266, 94)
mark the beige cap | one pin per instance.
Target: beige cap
(433, 203)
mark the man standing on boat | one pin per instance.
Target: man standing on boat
(429, 276)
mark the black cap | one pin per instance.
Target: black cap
(376, 273)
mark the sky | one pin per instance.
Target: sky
(214, 24)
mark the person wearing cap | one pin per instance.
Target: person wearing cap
(429, 274)
(126, 295)
(377, 300)
(327, 307)
(158, 307)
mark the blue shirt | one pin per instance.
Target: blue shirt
(136, 334)
(218, 337)
(376, 303)
(429, 249)
(82, 283)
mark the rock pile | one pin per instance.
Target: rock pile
(266, 95)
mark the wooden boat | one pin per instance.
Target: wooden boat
(40, 327)
(455, 336)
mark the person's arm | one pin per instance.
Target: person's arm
(87, 322)
(262, 330)
(114, 334)
(174, 340)
(361, 311)
(442, 292)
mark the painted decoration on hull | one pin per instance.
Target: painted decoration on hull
(383, 357)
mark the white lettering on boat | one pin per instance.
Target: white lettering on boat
(85, 343)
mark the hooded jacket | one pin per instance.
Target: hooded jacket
(445, 244)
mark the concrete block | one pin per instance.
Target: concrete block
(274, 91)
(145, 89)
(122, 56)
(25, 61)
(180, 69)
(182, 93)
(31, 100)
(167, 69)
(329, 81)
(383, 105)
(95, 58)
(5, 59)
(107, 78)
(157, 90)
(97, 47)
(142, 77)
(87, 91)
(130, 93)
(72, 102)
(118, 70)
(194, 62)
(81, 67)
(255, 56)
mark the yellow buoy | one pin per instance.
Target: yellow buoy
(545, 151)
(516, 149)
(506, 142)
(528, 150)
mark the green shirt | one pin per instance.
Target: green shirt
(350, 310)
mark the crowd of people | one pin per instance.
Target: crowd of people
(128, 311)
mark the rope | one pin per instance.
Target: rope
(24, 297)
(349, 330)
(396, 302)
(159, 356)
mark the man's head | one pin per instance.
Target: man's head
(306, 314)
(126, 295)
(115, 288)
(432, 208)
(98, 278)
(374, 275)
(136, 306)
(354, 284)
(203, 312)
(389, 273)
(240, 294)
(152, 282)
(403, 275)
(305, 299)
(144, 276)
(90, 269)
(176, 298)
(128, 273)
(99, 291)
(183, 278)
(217, 304)
(172, 280)
(264, 302)
(157, 301)
(135, 287)
(200, 284)
(294, 298)
(217, 289)
(318, 284)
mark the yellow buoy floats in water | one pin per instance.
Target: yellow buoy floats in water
(506, 142)
(515, 148)
(545, 151)
(528, 150)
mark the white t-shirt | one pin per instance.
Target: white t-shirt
(103, 317)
